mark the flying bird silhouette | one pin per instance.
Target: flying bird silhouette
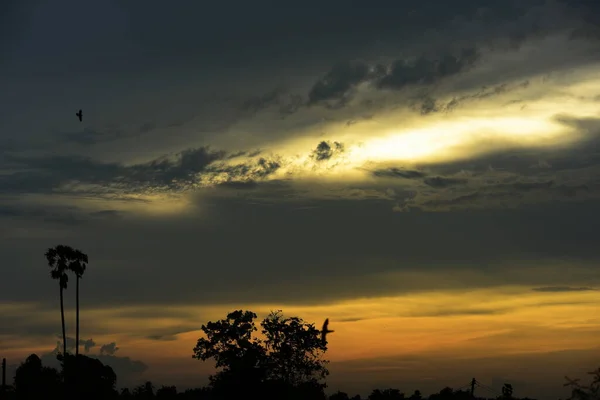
(80, 115)
(325, 331)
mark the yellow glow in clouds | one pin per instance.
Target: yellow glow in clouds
(447, 140)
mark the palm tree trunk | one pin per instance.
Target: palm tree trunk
(62, 317)
(77, 318)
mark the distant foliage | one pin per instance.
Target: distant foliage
(580, 391)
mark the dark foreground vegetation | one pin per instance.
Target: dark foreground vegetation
(285, 362)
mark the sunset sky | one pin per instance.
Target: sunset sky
(424, 173)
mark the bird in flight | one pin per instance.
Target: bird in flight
(325, 331)
(80, 115)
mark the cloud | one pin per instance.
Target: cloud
(339, 81)
(425, 70)
(326, 150)
(459, 312)
(398, 173)
(43, 174)
(170, 334)
(561, 289)
(109, 349)
(477, 120)
(336, 87)
(285, 102)
(87, 344)
(440, 182)
(429, 105)
(107, 214)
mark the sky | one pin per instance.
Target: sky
(426, 174)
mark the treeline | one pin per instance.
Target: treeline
(286, 362)
(96, 381)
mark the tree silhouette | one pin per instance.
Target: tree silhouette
(166, 393)
(295, 350)
(34, 381)
(144, 391)
(386, 394)
(339, 396)
(239, 356)
(77, 262)
(66, 258)
(507, 391)
(57, 261)
(95, 381)
(287, 361)
(416, 395)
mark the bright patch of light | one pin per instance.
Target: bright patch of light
(447, 140)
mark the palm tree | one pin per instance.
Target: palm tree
(58, 272)
(65, 258)
(77, 266)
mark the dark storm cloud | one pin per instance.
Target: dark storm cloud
(58, 213)
(44, 174)
(170, 334)
(399, 173)
(562, 289)
(12, 324)
(426, 70)
(440, 182)
(112, 214)
(510, 175)
(76, 175)
(326, 150)
(162, 338)
(239, 185)
(285, 102)
(234, 254)
(390, 20)
(262, 246)
(507, 195)
(337, 84)
(258, 103)
(429, 105)
(158, 312)
(260, 168)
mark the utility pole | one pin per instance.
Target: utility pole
(473, 382)
(3, 374)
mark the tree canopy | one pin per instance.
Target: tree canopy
(288, 355)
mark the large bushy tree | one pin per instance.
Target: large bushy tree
(289, 357)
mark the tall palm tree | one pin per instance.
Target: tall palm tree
(77, 265)
(65, 258)
(58, 272)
